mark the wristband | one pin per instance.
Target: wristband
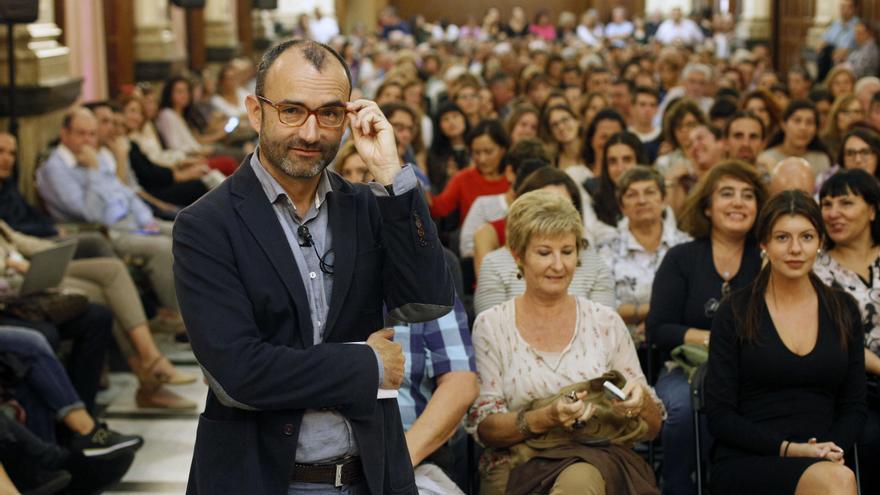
(523, 426)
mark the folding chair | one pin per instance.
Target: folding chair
(698, 403)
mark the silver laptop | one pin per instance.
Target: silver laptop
(48, 267)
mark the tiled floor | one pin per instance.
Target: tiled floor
(161, 466)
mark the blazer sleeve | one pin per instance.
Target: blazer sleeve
(244, 370)
(417, 283)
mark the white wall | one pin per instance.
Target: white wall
(666, 6)
(289, 10)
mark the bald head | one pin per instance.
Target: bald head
(79, 129)
(8, 147)
(792, 173)
(314, 53)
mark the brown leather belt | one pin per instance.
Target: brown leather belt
(348, 471)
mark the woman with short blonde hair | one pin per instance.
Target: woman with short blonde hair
(535, 354)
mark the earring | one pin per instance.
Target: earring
(819, 252)
(519, 273)
(763, 253)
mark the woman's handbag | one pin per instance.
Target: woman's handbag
(53, 306)
(690, 357)
(605, 427)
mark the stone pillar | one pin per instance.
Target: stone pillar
(754, 24)
(221, 30)
(155, 50)
(826, 12)
(44, 89)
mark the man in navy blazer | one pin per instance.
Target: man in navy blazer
(281, 268)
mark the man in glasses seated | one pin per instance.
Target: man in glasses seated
(283, 269)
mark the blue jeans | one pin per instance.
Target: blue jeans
(90, 334)
(677, 435)
(46, 392)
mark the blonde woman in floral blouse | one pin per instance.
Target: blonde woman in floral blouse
(642, 240)
(535, 344)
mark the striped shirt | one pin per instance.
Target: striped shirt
(431, 349)
(498, 283)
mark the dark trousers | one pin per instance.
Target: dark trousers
(90, 335)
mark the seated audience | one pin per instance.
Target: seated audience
(744, 136)
(448, 153)
(643, 239)
(798, 135)
(605, 124)
(229, 98)
(561, 124)
(79, 185)
(840, 81)
(534, 174)
(522, 123)
(107, 282)
(491, 208)
(439, 385)
(350, 165)
(874, 112)
(48, 398)
(179, 184)
(622, 152)
(21, 216)
(487, 143)
(681, 117)
(645, 103)
(785, 388)
(498, 278)
(846, 111)
(792, 173)
(865, 59)
(532, 346)
(860, 149)
(176, 106)
(689, 285)
(762, 104)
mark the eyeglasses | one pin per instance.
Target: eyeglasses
(561, 122)
(863, 153)
(295, 115)
(398, 127)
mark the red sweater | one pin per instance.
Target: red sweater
(462, 190)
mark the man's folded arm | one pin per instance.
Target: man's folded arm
(244, 370)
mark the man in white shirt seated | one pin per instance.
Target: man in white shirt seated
(679, 29)
(619, 30)
(78, 183)
(323, 28)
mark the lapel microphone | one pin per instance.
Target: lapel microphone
(305, 236)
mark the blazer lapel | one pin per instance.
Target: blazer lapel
(259, 217)
(343, 227)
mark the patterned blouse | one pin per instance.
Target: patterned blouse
(866, 293)
(511, 373)
(632, 266)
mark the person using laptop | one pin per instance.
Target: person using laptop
(106, 282)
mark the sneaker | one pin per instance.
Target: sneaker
(103, 441)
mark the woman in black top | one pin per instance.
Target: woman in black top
(785, 388)
(448, 153)
(688, 287)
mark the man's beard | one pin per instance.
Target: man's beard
(277, 153)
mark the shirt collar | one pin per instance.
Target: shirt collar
(66, 156)
(630, 244)
(273, 189)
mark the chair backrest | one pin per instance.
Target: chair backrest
(698, 382)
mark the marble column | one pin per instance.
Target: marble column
(221, 30)
(155, 49)
(754, 23)
(44, 88)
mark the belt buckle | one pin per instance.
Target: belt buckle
(337, 483)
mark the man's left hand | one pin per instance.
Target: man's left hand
(374, 140)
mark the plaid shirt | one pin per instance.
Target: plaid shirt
(432, 349)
